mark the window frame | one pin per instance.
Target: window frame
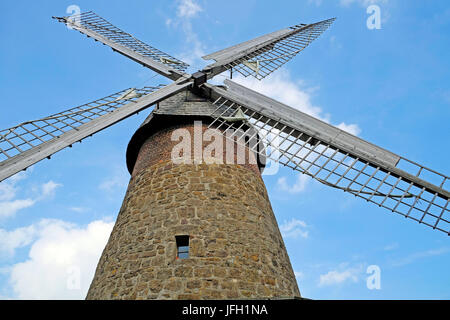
(182, 242)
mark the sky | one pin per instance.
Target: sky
(388, 85)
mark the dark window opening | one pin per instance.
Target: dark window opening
(182, 247)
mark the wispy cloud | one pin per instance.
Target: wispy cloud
(341, 275)
(337, 277)
(7, 191)
(17, 238)
(9, 206)
(117, 180)
(391, 246)
(294, 228)
(186, 11)
(299, 185)
(420, 255)
(363, 3)
(78, 209)
(49, 188)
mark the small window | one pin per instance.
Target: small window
(182, 247)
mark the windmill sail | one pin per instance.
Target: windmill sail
(29, 142)
(101, 30)
(263, 55)
(335, 157)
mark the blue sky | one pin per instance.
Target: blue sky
(389, 86)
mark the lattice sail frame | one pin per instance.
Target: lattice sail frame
(100, 29)
(340, 169)
(270, 55)
(29, 142)
(29, 134)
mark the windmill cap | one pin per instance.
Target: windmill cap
(180, 109)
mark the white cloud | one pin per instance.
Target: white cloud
(187, 9)
(61, 253)
(350, 128)
(11, 240)
(48, 189)
(10, 208)
(8, 191)
(337, 277)
(294, 228)
(297, 187)
(281, 87)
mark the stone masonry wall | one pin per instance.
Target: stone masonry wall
(159, 148)
(236, 249)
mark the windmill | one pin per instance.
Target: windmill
(168, 241)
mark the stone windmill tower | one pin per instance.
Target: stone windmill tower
(192, 230)
(196, 221)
